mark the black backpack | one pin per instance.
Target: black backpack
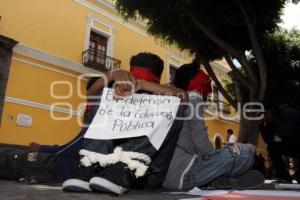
(22, 165)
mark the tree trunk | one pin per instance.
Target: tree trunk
(6, 45)
(262, 66)
(249, 130)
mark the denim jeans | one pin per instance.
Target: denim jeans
(224, 162)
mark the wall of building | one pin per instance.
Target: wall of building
(61, 28)
(52, 36)
(218, 127)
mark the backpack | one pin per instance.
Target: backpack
(22, 165)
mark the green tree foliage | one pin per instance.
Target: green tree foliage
(215, 29)
(282, 52)
(176, 21)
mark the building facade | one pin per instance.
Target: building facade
(59, 41)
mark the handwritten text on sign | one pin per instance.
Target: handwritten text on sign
(137, 115)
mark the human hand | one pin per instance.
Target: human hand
(125, 83)
(34, 147)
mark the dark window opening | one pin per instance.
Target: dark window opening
(173, 70)
(96, 57)
(218, 142)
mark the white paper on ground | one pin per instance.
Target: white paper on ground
(287, 186)
(134, 116)
(198, 192)
(270, 193)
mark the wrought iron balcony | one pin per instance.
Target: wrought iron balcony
(97, 60)
(219, 107)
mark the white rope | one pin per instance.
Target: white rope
(131, 159)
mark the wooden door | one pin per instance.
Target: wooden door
(97, 49)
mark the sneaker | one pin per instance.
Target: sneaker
(249, 180)
(81, 181)
(113, 179)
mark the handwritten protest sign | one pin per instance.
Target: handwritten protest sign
(134, 116)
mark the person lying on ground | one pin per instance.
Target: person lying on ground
(45, 163)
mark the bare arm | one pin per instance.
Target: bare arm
(99, 84)
(162, 90)
(125, 79)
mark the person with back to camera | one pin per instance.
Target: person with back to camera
(195, 162)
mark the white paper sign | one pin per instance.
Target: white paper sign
(134, 116)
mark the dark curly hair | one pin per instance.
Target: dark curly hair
(149, 61)
(185, 74)
(230, 131)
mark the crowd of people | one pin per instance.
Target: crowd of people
(186, 158)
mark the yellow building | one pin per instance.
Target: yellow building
(58, 42)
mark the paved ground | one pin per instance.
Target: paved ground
(10, 190)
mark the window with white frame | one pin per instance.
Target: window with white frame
(99, 45)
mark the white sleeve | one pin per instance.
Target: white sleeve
(232, 139)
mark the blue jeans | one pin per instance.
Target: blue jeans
(224, 162)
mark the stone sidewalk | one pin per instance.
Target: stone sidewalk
(10, 190)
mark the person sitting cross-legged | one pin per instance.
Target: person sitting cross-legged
(117, 165)
(195, 162)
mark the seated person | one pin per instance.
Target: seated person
(231, 139)
(97, 173)
(195, 162)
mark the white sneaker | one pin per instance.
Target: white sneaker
(76, 185)
(103, 185)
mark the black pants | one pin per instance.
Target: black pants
(283, 148)
(160, 159)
